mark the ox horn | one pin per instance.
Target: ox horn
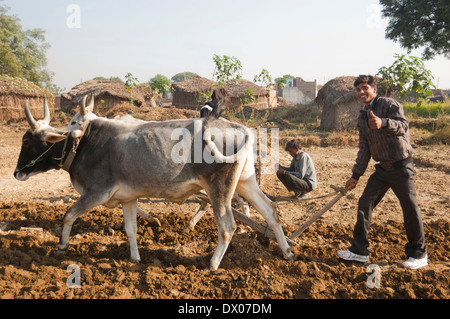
(90, 107)
(33, 123)
(83, 106)
(46, 118)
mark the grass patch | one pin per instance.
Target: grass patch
(428, 110)
(429, 123)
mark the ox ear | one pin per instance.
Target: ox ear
(52, 137)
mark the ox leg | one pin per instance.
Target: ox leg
(225, 228)
(130, 210)
(243, 204)
(81, 206)
(253, 194)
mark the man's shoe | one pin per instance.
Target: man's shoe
(413, 263)
(348, 255)
(302, 195)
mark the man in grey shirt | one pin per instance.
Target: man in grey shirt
(300, 176)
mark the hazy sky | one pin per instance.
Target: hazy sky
(316, 40)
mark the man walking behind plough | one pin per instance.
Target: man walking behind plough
(384, 136)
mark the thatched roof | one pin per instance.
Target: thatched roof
(13, 94)
(237, 88)
(20, 87)
(233, 88)
(106, 87)
(193, 85)
(340, 105)
(337, 90)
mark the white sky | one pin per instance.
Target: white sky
(316, 40)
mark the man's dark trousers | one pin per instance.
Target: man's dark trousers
(295, 184)
(401, 180)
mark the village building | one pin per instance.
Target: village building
(107, 96)
(299, 91)
(13, 94)
(239, 91)
(340, 108)
(188, 93)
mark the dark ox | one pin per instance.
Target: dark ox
(117, 162)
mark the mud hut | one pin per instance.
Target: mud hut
(186, 94)
(237, 90)
(13, 94)
(107, 95)
(340, 108)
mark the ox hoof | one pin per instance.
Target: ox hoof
(211, 268)
(61, 252)
(290, 256)
(136, 261)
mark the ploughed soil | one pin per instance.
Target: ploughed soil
(173, 261)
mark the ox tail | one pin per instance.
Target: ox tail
(219, 157)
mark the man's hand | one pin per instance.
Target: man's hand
(351, 184)
(280, 171)
(374, 121)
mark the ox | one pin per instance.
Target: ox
(118, 162)
(86, 113)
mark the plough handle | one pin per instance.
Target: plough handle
(308, 223)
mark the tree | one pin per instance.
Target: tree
(227, 68)
(22, 52)
(419, 23)
(111, 78)
(263, 78)
(130, 83)
(161, 84)
(407, 75)
(183, 76)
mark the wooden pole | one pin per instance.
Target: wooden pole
(260, 228)
(308, 223)
(198, 215)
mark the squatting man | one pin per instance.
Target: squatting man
(384, 136)
(300, 176)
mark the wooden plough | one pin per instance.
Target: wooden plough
(263, 228)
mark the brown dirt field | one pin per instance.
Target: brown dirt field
(173, 263)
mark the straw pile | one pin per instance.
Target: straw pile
(340, 108)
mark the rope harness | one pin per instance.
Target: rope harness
(64, 164)
(38, 159)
